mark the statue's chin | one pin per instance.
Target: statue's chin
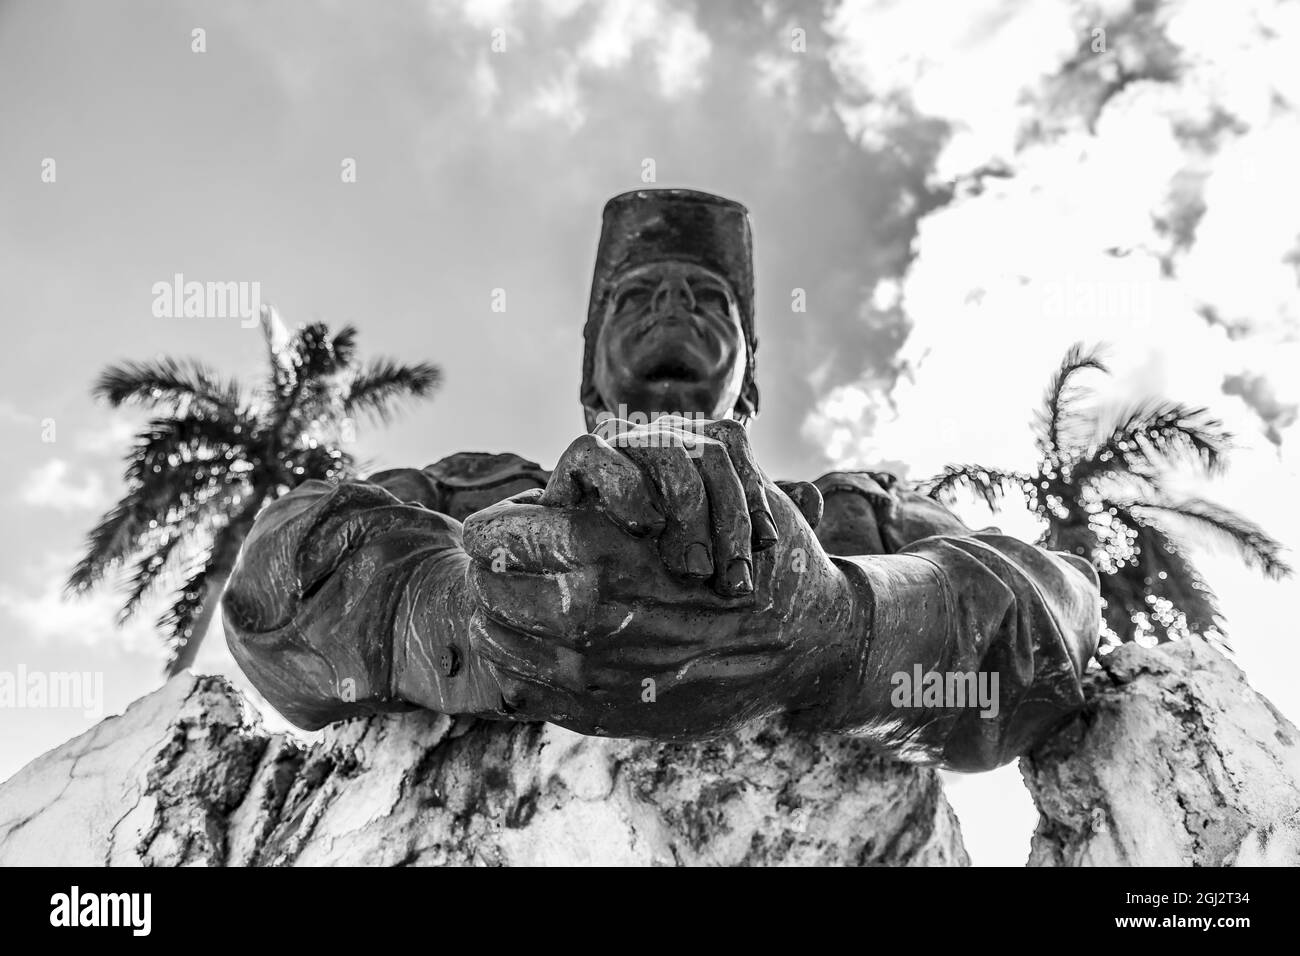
(653, 398)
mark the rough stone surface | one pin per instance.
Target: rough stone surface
(188, 776)
(1176, 761)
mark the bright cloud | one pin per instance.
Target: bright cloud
(52, 485)
(1162, 230)
(967, 65)
(680, 48)
(1179, 249)
(11, 414)
(42, 611)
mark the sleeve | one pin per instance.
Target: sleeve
(974, 647)
(346, 601)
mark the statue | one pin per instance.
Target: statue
(657, 583)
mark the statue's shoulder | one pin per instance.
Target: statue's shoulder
(878, 487)
(480, 469)
(469, 481)
(464, 483)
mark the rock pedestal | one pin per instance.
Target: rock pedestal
(188, 776)
(1176, 762)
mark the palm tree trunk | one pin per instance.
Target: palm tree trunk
(186, 652)
(225, 551)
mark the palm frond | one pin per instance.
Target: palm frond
(126, 527)
(314, 352)
(148, 572)
(989, 483)
(1153, 436)
(168, 442)
(324, 462)
(169, 382)
(1056, 418)
(306, 386)
(277, 338)
(1157, 590)
(111, 540)
(177, 622)
(382, 383)
(162, 491)
(1221, 525)
(344, 345)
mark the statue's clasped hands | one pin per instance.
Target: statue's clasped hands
(660, 585)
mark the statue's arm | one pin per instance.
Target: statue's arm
(350, 599)
(956, 602)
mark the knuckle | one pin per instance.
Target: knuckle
(713, 454)
(584, 445)
(728, 429)
(515, 694)
(679, 457)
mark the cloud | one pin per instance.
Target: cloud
(679, 47)
(43, 612)
(564, 56)
(11, 414)
(50, 486)
(1257, 392)
(1075, 243)
(112, 438)
(967, 67)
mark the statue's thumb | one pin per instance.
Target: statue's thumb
(806, 498)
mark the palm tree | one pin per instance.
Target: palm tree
(198, 474)
(1099, 489)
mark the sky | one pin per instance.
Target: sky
(960, 191)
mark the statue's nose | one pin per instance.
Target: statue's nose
(671, 293)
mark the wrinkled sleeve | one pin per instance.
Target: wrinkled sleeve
(344, 598)
(974, 649)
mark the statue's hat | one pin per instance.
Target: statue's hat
(680, 225)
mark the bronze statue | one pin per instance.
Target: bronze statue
(657, 583)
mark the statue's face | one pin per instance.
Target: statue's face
(671, 341)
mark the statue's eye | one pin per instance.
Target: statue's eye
(711, 297)
(634, 297)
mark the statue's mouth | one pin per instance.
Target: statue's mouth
(672, 370)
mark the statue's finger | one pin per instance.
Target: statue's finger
(612, 624)
(542, 660)
(510, 536)
(592, 471)
(729, 521)
(582, 696)
(533, 496)
(727, 666)
(735, 438)
(560, 604)
(806, 498)
(534, 688)
(686, 543)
